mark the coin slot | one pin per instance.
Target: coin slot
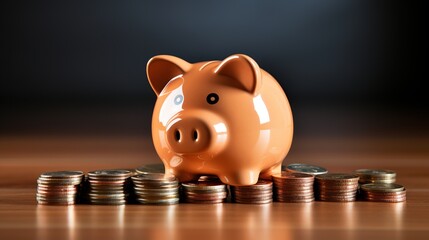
(195, 135)
(177, 135)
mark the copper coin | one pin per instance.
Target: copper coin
(384, 193)
(253, 197)
(342, 177)
(205, 201)
(58, 189)
(295, 191)
(387, 200)
(251, 191)
(191, 186)
(261, 184)
(293, 176)
(375, 187)
(215, 194)
(296, 200)
(256, 201)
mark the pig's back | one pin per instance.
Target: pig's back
(280, 114)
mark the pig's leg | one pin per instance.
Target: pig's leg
(266, 174)
(240, 178)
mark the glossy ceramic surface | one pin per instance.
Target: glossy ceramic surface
(227, 118)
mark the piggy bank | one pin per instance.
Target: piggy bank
(226, 118)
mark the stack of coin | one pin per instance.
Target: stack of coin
(336, 187)
(210, 192)
(156, 188)
(151, 168)
(109, 187)
(387, 192)
(293, 187)
(259, 193)
(305, 168)
(58, 188)
(375, 176)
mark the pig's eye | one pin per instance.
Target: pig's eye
(178, 99)
(212, 98)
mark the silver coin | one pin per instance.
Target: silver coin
(48, 199)
(385, 181)
(157, 177)
(158, 196)
(306, 168)
(375, 174)
(107, 202)
(110, 173)
(156, 185)
(155, 190)
(158, 201)
(44, 181)
(62, 174)
(151, 168)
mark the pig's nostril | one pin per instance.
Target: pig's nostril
(177, 135)
(195, 135)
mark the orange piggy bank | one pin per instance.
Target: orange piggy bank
(226, 118)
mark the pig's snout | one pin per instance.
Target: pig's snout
(189, 135)
(195, 135)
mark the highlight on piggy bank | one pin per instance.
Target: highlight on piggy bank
(227, 118)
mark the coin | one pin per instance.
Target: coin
(151, 168)
(62, 174)
(168, 201)
(376, 176)
(58, 188)
(383, 192)
(155, 177)
(338, 177)
(377, 173)
(204, 185)
(156, 188)
(109, 174)
(259, 193)
(204, 192)
(293, 187)
(336, 187)
(306, 168)
(206, 196)
(109, 187)
(373, 187)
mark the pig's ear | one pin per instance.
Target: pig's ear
(243, 69)
(162, 68)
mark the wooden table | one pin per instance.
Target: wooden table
(24, 157)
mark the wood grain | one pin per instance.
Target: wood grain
(23, 158)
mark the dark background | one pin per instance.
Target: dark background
(346, 66)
